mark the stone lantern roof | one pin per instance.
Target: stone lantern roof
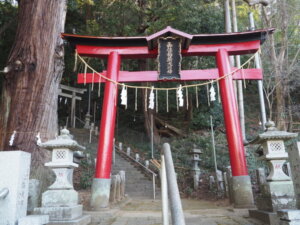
(62, 141)
(272, 133)
(196, 151)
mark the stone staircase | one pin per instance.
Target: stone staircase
(138, 185)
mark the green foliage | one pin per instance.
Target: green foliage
(8, 24)
(87, 173)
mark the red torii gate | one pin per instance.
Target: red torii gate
(218, 45)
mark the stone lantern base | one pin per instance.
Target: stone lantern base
(277, 195)
(274, 196)
(56, 198)
(62, 208)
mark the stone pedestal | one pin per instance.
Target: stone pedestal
(14, 179)
(60, 201)
(277, 192)
(229, 181)
(34, 220)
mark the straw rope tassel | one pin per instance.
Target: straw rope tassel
(151, 99)
(12, 138)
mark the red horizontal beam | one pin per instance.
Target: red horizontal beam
(186, 75)
(239, 48)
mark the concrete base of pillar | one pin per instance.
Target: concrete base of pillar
(242, 192)
(100, 193)
(264, 216)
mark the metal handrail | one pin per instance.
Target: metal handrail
(133, 160)
(172, 189)
(81, 121)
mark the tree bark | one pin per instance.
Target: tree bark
(30, 89)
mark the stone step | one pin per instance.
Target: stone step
(137, 183)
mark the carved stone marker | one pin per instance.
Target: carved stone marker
(229, 181)
(120, 146)
(60, 201)
(137, 157)
(278, 192)
(220, 180)
(113, 190)
(128, 151)
(123, 181)
(14, 179)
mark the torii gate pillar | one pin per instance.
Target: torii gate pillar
(101, 181)
(242, 194)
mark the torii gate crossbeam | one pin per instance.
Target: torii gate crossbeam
(218, 45)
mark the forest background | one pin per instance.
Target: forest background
(190, 125)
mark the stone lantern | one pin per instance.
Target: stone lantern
(195, 171)
(278, 192)
(60, 201)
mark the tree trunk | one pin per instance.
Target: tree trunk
(30, 89)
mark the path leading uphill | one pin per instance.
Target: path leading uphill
(148, 212)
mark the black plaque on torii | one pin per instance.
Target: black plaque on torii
(169, 58)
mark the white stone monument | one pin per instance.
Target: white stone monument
(14, 179)
(278, 191)
(60, 201)
(137, 157)
(128, 151)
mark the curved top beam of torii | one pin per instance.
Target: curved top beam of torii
(146, 47)
(192, 45)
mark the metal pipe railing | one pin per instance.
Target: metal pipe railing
(3, 193)
(173, 191)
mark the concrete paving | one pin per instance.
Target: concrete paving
(148, 212)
